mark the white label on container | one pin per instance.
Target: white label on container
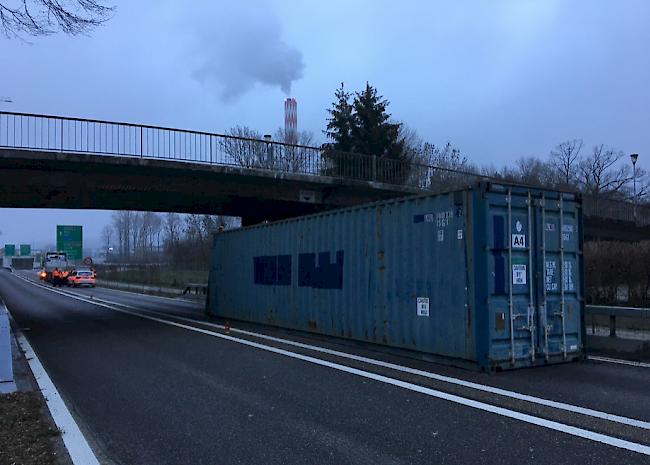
(423, 306)
(518, 241)
(441, 235)
(549, 280)
(518, 274)
(567, 276)
(459, 234)
(442, 218)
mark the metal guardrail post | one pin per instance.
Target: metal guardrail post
(612, 325)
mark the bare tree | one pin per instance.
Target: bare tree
(601, 172)
(123, 223)
(44, 17)
(156, 229)
(566, 158)
(294, 156)
(107, 235)
(245, 147)
(172, 229)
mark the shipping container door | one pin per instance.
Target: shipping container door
(511, 271)
(559, 303)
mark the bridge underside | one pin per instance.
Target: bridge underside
(34, 179)
(604, 229)
(38, 179)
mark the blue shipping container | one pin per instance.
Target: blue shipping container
(490, 276)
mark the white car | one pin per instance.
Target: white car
(82, 277)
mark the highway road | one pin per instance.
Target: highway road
(151, 381)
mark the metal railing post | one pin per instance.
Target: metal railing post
(140, 141)
(374, 168)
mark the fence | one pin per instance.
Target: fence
(96, 137)
(619, 210)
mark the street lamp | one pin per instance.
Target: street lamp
(269, 150)
(634, 157)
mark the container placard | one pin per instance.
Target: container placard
(518, 274)
(518, 241)
(423, 306)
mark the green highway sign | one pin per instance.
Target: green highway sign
(10, 250)
(25, 250)
(69, 239)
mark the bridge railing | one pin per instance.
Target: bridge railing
(97, 137)
(615, 209)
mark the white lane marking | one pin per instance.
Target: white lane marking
(619, 361)
(447, 379)
(550, 424)
(147, 296)
(78, 448)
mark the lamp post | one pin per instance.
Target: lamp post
(269, 150)
(634, 157)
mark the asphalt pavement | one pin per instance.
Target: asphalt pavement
(151, 380)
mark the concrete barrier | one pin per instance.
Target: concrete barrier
(6, 371)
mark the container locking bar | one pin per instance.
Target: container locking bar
(562, 277)
(531, 307)
(510, 306)
(542, 309)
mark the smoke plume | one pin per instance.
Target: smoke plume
(246, 48)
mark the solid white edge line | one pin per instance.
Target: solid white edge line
(447, 379)
(550, 424)
(74, 440)
(619, 361)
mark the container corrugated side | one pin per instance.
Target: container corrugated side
(434, 274)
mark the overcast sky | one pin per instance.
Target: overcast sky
(499, 79)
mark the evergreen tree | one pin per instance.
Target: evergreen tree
(372, 132)
(339, 124)
(364, 128)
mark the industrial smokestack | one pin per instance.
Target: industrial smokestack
(291, 120)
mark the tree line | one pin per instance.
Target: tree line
(364, 141)
(180, 240)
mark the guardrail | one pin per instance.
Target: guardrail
(637, 318)
(97, 137)
(6, 370)
(619, 210)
